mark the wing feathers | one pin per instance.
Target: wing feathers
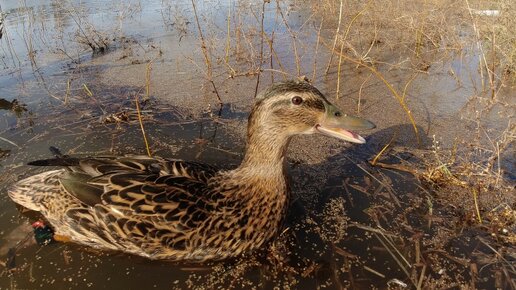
(135, 202)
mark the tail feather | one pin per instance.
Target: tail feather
(31, 191)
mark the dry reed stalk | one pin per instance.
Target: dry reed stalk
(67, 94)
(262, 33)
(286, 75)
(360, 92)
(419, 38)
(391, 243)
(475, 199)
(396, 95)
(371, 229)
(271, 50)
(493, 63)
(92, 43)
(228, 32)
(9, 141)
(293, 36)
(3, 32)
(395, 258)
(348, 28)
(374, 272)
(501, 145)
(338, 72)
(204, 48)
(11, 49)
(355, 18)
(137, 102)
(147, 80)
(227, 49)
(335, 39)
(316, 50)
(395, 135)
(88, 92)
(404, 94)
(417, 247)
(421, 278)
(271, 41)
(498, 254)
(482, 56)
(383, 183)
(238, 45)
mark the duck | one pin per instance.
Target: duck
(187, 211)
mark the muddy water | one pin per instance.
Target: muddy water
(56, 92)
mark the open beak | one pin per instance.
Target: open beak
(339, 125)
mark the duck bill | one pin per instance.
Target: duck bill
(341, 126)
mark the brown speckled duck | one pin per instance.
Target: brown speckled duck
(181, 210)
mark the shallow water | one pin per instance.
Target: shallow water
(68, 97)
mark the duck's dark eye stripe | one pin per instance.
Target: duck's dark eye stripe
(316, 104)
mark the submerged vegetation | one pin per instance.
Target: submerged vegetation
(428, 204)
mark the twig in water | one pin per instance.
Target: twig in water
(293, 36)
(261, 50)
(271, 56)
(278, 61)
(10, 142)
(394, 257)
(67, 94)
(147, 80)
(87, 90)
(374, 272)
(481, 56)
(475, 193)
(338, 72)
(421, 278)
(360, 92)
(90, 94)
(396, 95)
(375, 159)
(316, 50)
(209, 72)
(371, 229)
(391, 243)
(227, 49)
(141, 125)
(335, 39)
(228, 37)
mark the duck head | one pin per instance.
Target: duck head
(294, 108)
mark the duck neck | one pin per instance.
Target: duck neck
(265, 151)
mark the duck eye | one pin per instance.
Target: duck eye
(297, 100)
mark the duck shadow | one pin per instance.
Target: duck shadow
(352, 163)
(332, 197)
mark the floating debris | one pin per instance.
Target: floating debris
(14, 106)
(486, 12)
(396, 282)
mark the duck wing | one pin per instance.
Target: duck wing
(88, 179)
(137, 203)
(154, 214)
